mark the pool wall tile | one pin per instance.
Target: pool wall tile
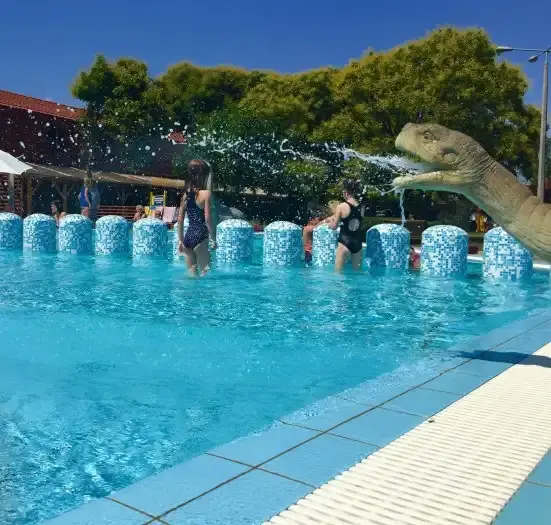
(531, 505)
(164, 491)
(455, 383)
(484, 366)
(319, 460)
(257, 448)
(100, 512)
(378, 427)
(542, 473)
(422, 402)
(325, 414)
(252, 498)
(527, 343)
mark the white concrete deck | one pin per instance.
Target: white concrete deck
(461, 466)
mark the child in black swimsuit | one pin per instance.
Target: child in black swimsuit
(196, 202)
(349, 214)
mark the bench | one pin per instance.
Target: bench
(127, 212)
(415, 227)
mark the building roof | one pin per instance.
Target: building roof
(46, 107)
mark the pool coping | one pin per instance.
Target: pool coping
(282, 463)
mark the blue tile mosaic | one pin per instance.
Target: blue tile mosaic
(283, 244)
(324, 246)
(325, 413)
(150, 238)
(378, 427)
(422, 402)
(319, 460)
(75, 234)
(159, 493)
(531, 505)
(100, 512)
(257, 448)
(11, 231)
(455, 383)
(444, 251)
(505, 257)
(252, 498)
(542, 473)
(234, 238)
(112, 232)
(39, 233)
(387, 247)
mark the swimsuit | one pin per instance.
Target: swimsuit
(82, 198)
(350, 235)
(197, 230)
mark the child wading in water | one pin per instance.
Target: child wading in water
(196, 203)
(349, 215)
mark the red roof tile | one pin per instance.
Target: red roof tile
(38, 105)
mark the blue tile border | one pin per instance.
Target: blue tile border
(285, 460)
(531, 505)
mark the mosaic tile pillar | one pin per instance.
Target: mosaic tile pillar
(387, 247)
(283, 244)
(150, 238)
(444, 251)
(324, 245)
(176, 241)
(235, 241)
(505, 257)
(11, 231)
(39, 233)
(75, 234)
(112, 234)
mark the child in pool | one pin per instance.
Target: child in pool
(196, 203)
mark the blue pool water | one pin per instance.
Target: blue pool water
(113, 370)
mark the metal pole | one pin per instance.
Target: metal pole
(11, 193)
(543, 132)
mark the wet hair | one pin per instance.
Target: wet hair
(352, 187)
(199, 174)
(57, 206)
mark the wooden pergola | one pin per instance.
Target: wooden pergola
(62, 177)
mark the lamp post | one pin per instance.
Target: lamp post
(543, 127)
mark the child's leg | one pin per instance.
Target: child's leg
(191, 261)
(203, 256)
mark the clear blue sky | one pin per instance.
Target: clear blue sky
(45, 43)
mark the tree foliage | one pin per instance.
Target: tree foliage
(238, 119)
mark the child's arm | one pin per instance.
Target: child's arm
(335, 219)
(208, 216)
(181, 213)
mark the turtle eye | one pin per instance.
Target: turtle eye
(427, 137)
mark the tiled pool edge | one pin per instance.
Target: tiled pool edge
(264, 459)
(484, 459)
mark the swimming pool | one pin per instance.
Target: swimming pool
(115, 369)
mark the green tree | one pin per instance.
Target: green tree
(191, 93)
(295, 103)
(125, 117)
(450, 77)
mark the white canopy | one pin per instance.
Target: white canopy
(9, 164)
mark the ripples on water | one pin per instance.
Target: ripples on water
(113, 370)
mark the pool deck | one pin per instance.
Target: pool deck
(469, 445)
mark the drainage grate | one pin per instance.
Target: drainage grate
(460, 467)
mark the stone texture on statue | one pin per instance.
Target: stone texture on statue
(464, 167)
